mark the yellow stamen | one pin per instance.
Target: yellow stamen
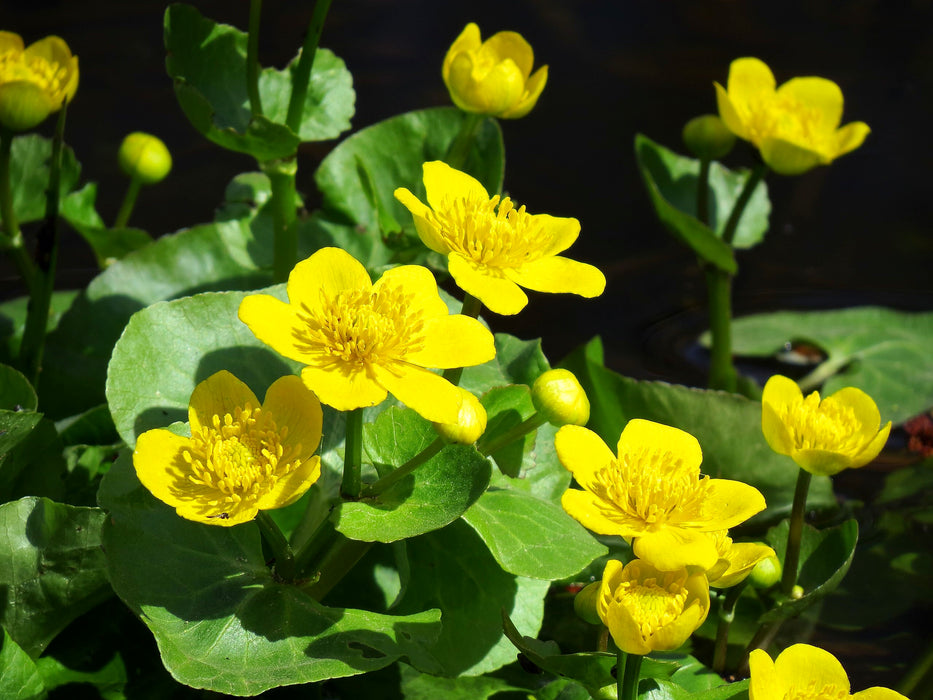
(654, 602)
(812, 691)
(17, 66)
(823, 426)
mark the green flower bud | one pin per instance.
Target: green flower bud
(708, 137)
(471, 422)
(144, 157)
(558, 396)
(584, 603)
(766, 573)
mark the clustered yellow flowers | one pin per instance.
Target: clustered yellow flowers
(241, 458)
(35, 81)
(492, 248)
(794, 126)
(492, 77)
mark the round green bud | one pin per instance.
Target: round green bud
(144, 157)
(708, 137)
(470, 425)
(584, 603)
(797, 592)
(766, 573)
(558, 396)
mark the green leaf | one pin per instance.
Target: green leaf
(436, 494)
(516, 362)
(52, 570)
(454, 571)
(727, 426)
(112, 244)
(421, 686)
(659, 689)
(31, 461)
(219, 618)
(531, 537)
(16, 393)
(109, 680)
(169, 347)
(19, 677)
(883, 352)
(825, 557)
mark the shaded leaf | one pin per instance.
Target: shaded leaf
(16, 393)
(13, 321)
(31, 461)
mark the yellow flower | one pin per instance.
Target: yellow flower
(470, 425)
(241, 457)
(493, 248)
(736, 560)
(650, 610)
(804, 672)
(652, 493)
(822, 437)
(360, 340)
(34, 81)
(494, 76)
(796, 126)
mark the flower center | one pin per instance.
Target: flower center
(17, 66)
(654, 602)
(812, 691)
(362, 326)
(489, 232)
(816, 425)
(237, 457)
(653, 485)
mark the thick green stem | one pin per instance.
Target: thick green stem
(397, 475)
(726, 615)
(323, 536)
(252, 58)
(285, 235)
(722, 374)
(337, 562)
(302, 74)
(795, 532)
(129, 201)
(703, 192)
(628, 670)
(12, 238)
(918, 676)
(471, 307)
(284, 558)
(460, 148)
(754, 177)
(533, 422)
(352, 483)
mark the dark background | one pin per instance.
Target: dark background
(857, 232)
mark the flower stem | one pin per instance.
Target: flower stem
(460, 148)
(285, 246)
(732, 225)
(628, 670)
(703, 192)
(533, 422)
(722, 374)
(129, 201)
(352, 484)
(12, 238)
(918, 675)
(795, 532)
(284, 558)
(252, 58)
(342, 556)
(302, 73)
(397, 475)
(726, 615)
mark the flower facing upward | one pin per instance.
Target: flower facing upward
(494, 76)
(34, 81)
(652, 493)
(650, 610)
(822, 437)
(736, 560)
(241, 457)
(804, 672)
(492, 248)
(795, 126)
(360, 340)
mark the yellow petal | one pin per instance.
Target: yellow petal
(160, 466)
(443, 184)
(292, 486)
(625, 631)
(742, 557)
(775, 430)
(469, 40)
(499, 90)
(510, 45)
(274, 323)
(821, 98)
(290, 403)
(10, 41)
(559, 275)
(850, 137)
(865, 411)
(727, 504)
(750, 80)
(612, 577)
(598, 516)
(419, 287)
(583, 452)
(428, 394)
(802, 664)
(641, 434)
(453, 341)
(676, 632)
(427, 231)
(533, 89)
(672, 549)
(558, 233)
(781, 391)
(873, 448)
(500, 294)
(821, 462)
(729, 114)
(786, 158)
(236, 514)
(318, 279)
(764, 684)
(878, 694)
(344, 386)
(218, 395)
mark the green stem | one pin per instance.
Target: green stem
(703, 192)
(795, 532)
(722, 374)
(323, 536)
(628, 670)
(726, 615)
(302, 74)
(754, 177)
(460, 148)
(821, 373)
(284, 558)
(762, 640)
(916, 676)
(37, 316)
(352, 483)
(397, 475)
(533, 422)
(471, 307)
(337, 562)
(12, 238)
(285, 241)
(129, 201)
(252, 58)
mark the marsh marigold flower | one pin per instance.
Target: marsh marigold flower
(494, 76)
(652, 493)
(649, 610)
(822, 437)
(35, 81)
(804, 672)
(359, 340)
(795, 126)
(736, 560)
(492, 248)
(242, 457)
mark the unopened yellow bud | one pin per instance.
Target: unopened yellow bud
(35, 80)
(144, 157)
(766, 573)
(584, 603)
(558, 396)
(708, 137)
(470, 425)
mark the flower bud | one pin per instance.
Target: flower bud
(471, 422)
(766, 573)
(708, 138)
(584, 603)
(144, 157)
(558, 396)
